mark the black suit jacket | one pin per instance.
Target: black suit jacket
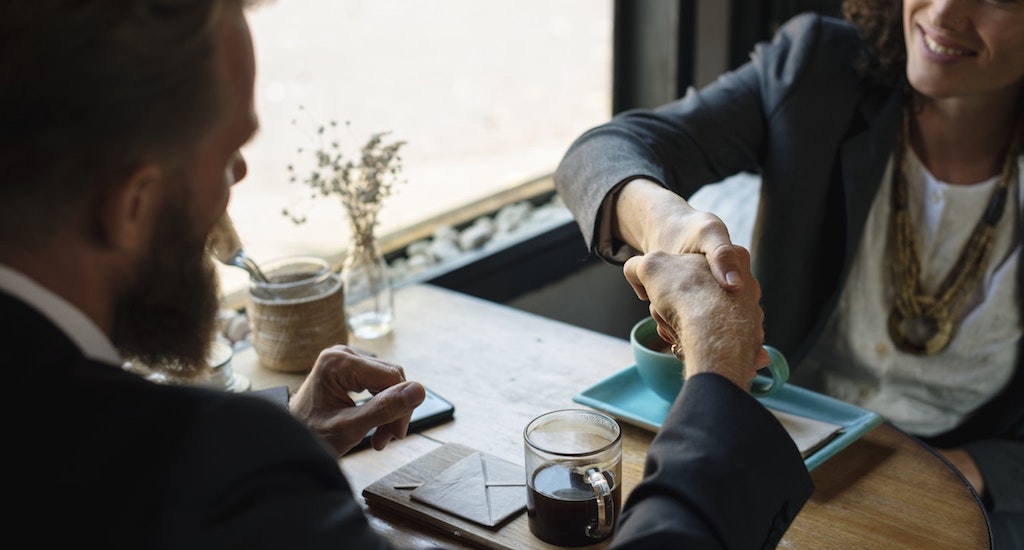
(107, 459)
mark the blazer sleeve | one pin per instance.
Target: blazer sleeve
(251, 476)
(669, 145)
(1001, 462)
(721, 473)
(723, 129)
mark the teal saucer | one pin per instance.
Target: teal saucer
(625, 396)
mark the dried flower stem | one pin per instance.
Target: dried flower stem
(362, 184)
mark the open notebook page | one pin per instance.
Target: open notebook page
(808, 434)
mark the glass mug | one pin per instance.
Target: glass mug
(573, 476)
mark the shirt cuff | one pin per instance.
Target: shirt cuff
(608, 247)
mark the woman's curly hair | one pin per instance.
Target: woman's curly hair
(880, 24)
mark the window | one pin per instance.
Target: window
(486, 94)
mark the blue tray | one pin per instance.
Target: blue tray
(626, 397)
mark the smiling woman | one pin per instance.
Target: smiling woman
(888, 230)
(486, 95)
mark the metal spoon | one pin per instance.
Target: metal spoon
(226, 247)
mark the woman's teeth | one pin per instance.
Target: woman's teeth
(943, 50)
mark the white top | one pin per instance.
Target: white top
(79, 328)
(856, 360)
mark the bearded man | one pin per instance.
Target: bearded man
(120, 129)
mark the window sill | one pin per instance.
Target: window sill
(397, 245)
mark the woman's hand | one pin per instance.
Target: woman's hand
(323, 402)
(651, 218)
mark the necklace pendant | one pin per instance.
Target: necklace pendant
(923, 334)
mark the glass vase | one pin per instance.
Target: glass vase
(369, 307)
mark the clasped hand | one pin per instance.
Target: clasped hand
(719, 331)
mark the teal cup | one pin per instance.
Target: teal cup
(662, 371)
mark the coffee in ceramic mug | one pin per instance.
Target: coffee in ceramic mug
(663, 372)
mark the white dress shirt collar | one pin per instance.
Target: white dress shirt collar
(93, 343)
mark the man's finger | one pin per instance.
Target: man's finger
(390, 410)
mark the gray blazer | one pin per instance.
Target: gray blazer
(820, 135)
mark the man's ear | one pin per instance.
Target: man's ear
(128, 210)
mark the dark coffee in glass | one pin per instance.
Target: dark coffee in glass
(562, 506)
(573, 476)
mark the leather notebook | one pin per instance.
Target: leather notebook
(473, 496)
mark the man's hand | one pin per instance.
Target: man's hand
(651, 218)
(718, 331)
(324, 404)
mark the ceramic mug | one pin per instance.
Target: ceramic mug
(662, 371)
(573, 476)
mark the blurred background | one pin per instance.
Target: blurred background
(487, 94)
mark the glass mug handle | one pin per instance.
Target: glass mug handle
(605, 505)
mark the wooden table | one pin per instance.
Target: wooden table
(501, 367)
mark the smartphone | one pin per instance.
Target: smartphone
(432, 411)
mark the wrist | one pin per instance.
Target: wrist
(727, 359)
(633, 209)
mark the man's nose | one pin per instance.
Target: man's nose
(239, 168)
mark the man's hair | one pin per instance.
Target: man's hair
(880, 24)
(90, 90)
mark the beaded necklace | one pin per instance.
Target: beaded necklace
(920, 323)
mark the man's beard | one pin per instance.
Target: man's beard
(166, 317)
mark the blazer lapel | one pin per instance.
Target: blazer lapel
(863, 158)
